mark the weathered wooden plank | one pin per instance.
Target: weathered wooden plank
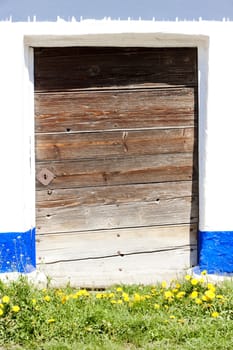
(86, 111)
(142, 255)
(52, 248)
(119, 194)
(73, 146)
(140, 169)
(88, 67)
(136, 214)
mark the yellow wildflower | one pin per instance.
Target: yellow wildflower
(47, 298)
(215, 314)
(99, 296)
(137, 297)
(188, 277)
(180, 295)
(51, 320)
(204, 272)
(172, 317)
(1, 312)
(164, 284)
(156, 306)
(15, 308)
(125, 296)
(119, 289)
(1, 306)
(178, 285)
(119, 301)
(64, 299)
(113, 301)
(198, 301)
(194, 281)
(219, 296)
(211, 287)
(111, 295)
(204, 298)
(210, 295)
(194, 295)
(83, 293)
(34, 301)
(5, 299)
(168, 294)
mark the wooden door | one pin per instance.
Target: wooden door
(116, 163)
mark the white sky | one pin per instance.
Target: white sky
(44, 10)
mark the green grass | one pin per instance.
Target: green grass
(189, 314)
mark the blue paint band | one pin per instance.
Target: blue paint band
(17, 251)
(216, 252)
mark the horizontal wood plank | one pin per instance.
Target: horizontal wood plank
(53, 248)
(142, 255)
(86, 111)
(62, 68)
(130, 170)
(133, 214)
(74, 146)
(106, 195)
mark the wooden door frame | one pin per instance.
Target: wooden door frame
(122, 40)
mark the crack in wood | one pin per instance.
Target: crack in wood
(186, 246)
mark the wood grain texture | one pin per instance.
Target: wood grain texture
(145, 255)
(118, 171)
(117, 128)
(53, 248)
(120, 109)
(93, 67)
(75, 217)
(74, 146)
(106, 195)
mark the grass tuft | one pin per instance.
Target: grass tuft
(185, 314)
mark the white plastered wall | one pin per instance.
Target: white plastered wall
(215, 57)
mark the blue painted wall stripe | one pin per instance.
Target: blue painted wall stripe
(17, 251)
(216, 251)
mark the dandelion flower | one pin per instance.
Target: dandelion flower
(156, 306)
(172, 317)
(211, 287)
(198, 301)
(188, 277)
(210, 295)
(119, 289)
(51, 320)
(194, 281)
(5, 299)
(164, 284)
(219, 296)
(168, 294)
(204, 272)
(1, 312)
(15, 308)
(47, 298)
(99, 296)
(194, 295)
(34, 301)
(137, 297)
(125, 296)
(180, 295)
(215, 314)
